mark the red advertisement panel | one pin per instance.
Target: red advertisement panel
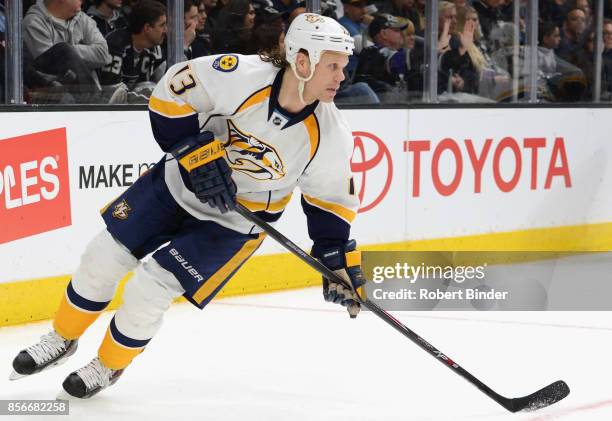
(34, 184)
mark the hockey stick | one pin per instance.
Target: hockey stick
(542, 398)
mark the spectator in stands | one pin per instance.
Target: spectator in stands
(420, 8)
(562, 81)
(408, 33)
(213, 8)
(489, 14)
(353, 18)
(552, 11)
(2, 52)
(460, 5)
(108, 15)
(202, 44)
(202, 16)
(404, 9)
(414, 54)
(606, 68)
(549, 38)
(383, 65)
(127, 7)
(457, 72)
(585, 6)
(138, 60)
(209, 6)
(234, 29)
(573, 29)
(191, 18)
(294, 12)
(492, 78)
(269, 30)
(356, 20)
(2, 23)
(267, 14)
(584, 57)
(287, 6)
(65, 42)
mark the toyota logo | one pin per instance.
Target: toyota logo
(371, 163)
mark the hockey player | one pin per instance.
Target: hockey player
(234, 128)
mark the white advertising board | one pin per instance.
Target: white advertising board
(421, 174)
(495, 170)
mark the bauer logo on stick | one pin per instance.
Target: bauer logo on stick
(122, 210)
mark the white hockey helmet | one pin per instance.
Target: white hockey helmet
(315, 34)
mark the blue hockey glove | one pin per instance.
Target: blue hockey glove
(210, 175)
(345, 261)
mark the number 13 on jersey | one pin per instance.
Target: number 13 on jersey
(182, 81)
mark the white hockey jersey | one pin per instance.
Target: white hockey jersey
(269, 150)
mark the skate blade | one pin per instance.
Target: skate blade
(16, 376)
(65, 396)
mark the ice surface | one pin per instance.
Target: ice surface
(291, 356)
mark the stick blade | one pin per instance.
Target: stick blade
(544, 397)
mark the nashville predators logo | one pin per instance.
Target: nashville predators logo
(251, 156)
(122, 210)
(314, 18)
(226, 63)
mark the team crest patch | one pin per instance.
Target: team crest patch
(122, 210)
(252, 156)
(314, 18)
(226, 63)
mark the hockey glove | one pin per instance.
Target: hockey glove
(345, 261)
(210, 175)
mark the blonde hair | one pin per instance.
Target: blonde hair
(409, 30)
(474, 52)
(445, 6)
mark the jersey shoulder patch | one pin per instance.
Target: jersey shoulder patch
(226, 63)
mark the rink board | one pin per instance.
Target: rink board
(488, 179)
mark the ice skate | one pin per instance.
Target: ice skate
(51, 351)
(91, 379)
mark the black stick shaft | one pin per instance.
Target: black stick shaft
(396, 324)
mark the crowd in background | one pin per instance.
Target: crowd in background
(114, 51)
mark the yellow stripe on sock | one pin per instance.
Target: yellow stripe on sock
(114, 355)
(70, 321)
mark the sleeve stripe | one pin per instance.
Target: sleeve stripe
(338, 210)
(277, 206)
(169, 108)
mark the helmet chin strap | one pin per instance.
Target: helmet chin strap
(302, 81)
